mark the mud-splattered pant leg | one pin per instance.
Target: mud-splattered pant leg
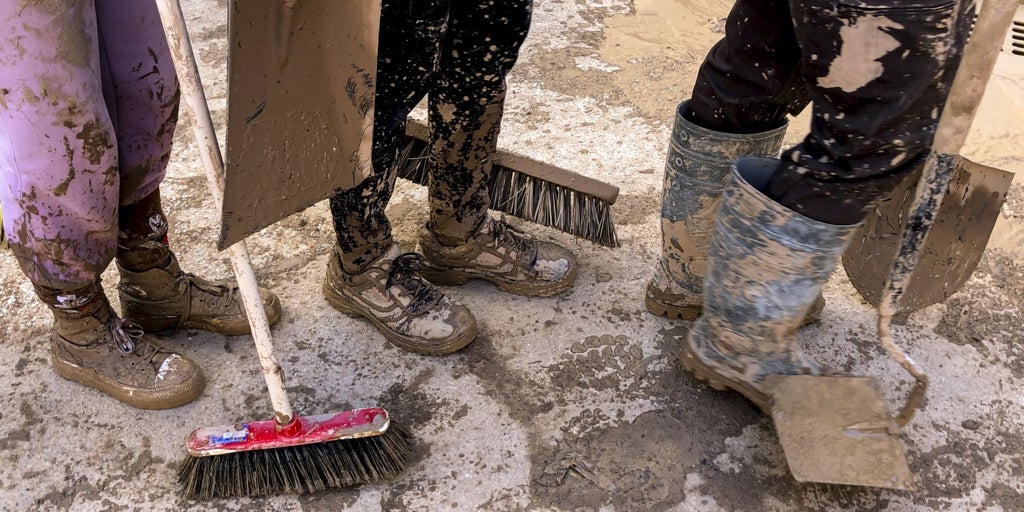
(876, 71)
(88, 101)
(411, 32)
(466, 104)
(422, 42)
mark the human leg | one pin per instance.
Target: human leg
(466, 103)
(366, 275)
(60, 191)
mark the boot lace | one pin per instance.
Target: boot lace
(124, 333)
(404, 274)
(217, 296)
(505, 234)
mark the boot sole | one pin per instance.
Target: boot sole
(135, 397)
(408, 343)
(658, 308)
(717, 381)
(456, 277)
(690, 313)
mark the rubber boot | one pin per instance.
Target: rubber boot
(92, 346)
(766, 266)
(157, 295)
(696, 172)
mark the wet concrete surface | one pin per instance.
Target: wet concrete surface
(573, 403)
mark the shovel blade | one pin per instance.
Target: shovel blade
(833, 430)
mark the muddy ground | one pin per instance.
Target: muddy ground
(572, 403)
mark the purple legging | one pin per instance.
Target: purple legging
(88, 105)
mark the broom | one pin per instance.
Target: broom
(529, 189)
(289, 453)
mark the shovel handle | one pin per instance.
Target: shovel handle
(969, 85)
(206, 138)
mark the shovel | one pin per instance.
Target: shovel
(838, 430)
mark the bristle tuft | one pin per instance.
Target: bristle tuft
(296, 469)
(528, 198)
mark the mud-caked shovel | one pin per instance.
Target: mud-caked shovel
(838, 430)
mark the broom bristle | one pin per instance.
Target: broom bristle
(528, 198)
(296, 469)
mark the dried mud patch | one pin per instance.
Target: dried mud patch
(986, 314)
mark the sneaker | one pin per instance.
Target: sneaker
(409, 311)
(502, 255)
(166, 299)
(94, 347)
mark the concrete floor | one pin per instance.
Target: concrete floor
(571, 403)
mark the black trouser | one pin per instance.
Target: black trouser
(458, 51)
(877, 72)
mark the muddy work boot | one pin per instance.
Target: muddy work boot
(165, 299)
(92, 346)
(502, 255)
(696, 172)
(409, 311)
(766, 266)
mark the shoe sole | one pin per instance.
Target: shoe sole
(658, 308)
(690, 313)
(456, 277)
(354, 310)
(717, 381)
(135, 397)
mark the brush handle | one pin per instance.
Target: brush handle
(213, 163)
(968, 87)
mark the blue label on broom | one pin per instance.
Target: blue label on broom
(234, 436)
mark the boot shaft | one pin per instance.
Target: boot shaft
(142, 234)
(767, 266)
(79, 316)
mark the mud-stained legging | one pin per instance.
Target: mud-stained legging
(877, 72)
(88, 104)
(458, 52)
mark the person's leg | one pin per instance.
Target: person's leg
(878, 74)
(460, 241)
(746, 86)
(60, 189)
(141, 91)
(878, 85)
(366, 276)
(466, 104)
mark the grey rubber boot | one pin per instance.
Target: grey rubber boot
(766, 266)
(696, 172)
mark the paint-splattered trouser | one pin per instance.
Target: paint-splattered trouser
(458, 52)
(877, 72)
(88, 104)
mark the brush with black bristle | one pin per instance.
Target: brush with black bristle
(531, 190)
(3, 235)
(289, 453)
(306, 454)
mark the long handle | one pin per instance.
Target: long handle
(206, 137)
(972, 77)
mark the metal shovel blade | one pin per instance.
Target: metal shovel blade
(835, 430)
(954, 244)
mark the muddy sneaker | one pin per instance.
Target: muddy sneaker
(502, 255)
(92, 346)
(409, 311)
(166, 299)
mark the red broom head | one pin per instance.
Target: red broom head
(305, 455)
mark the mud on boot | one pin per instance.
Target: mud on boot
(165, 299)
(92, 346)
(696, 172)
(503, 255)
(766, 267)
(409, 311)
